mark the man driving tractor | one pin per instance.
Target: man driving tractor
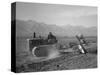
(51, 38)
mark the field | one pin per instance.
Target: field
(25, 62)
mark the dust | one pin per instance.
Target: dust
(53, 53)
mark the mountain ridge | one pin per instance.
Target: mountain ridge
(26, 28)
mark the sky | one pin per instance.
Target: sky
(57, 14)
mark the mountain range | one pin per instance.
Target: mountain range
(27, 28)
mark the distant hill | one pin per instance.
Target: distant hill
(26, 28)
(74, 30)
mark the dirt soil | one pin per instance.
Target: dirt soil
(64, 62)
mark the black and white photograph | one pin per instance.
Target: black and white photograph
(53, 37)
